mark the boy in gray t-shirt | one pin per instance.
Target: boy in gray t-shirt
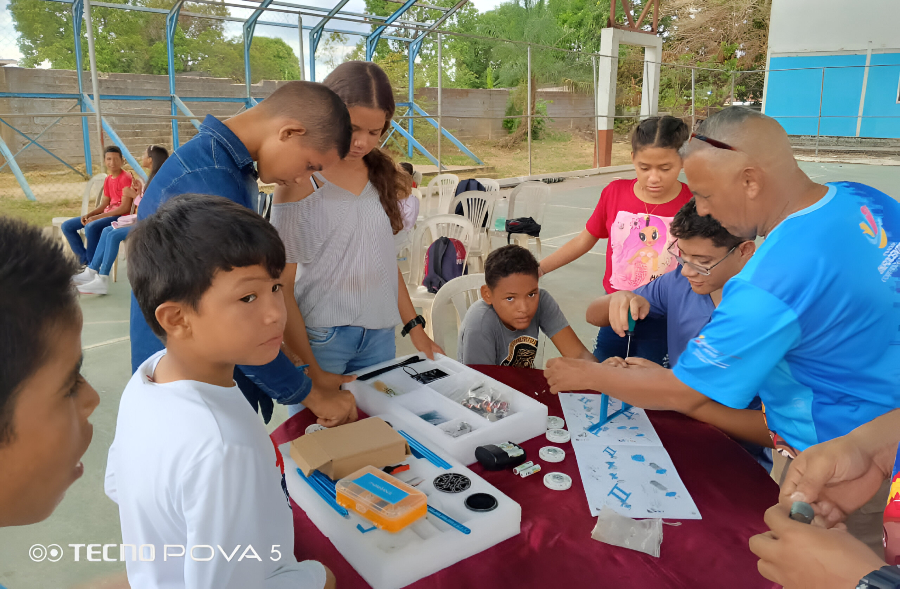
(502, 329)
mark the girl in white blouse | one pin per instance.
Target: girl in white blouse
(339, 237)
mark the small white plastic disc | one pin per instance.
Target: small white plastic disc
(557, 481)
(554, 422)
(552, 454)
(315, 428)
(558, 436)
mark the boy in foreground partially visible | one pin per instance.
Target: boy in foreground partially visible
(503, 328)
(44, 401)
(191, 464)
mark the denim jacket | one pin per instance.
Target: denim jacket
(216, 162)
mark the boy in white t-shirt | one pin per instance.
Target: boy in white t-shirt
(192, 469)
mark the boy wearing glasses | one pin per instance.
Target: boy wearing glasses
(686, 299)
(710, 256)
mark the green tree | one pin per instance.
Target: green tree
(134, 42)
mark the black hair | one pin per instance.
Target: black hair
(688, 223)
(113, 149)
(667, 132)
(36, 296)
(507, 260)
(174, 254)
(321, 112)
(158, 155)
(408, 167)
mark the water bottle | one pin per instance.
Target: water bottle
(500, 211)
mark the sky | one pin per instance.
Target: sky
(9, 49)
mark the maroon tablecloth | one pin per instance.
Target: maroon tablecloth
(555, 550)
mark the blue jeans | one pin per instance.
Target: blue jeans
(92, 232)
(649, 341)
(108, 249)
(347, 348)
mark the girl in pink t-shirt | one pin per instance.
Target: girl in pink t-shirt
(634, 217)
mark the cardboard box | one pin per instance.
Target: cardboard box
(342, 450)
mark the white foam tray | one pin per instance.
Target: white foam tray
(527, 418)
(391, 561)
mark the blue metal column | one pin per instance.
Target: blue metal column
(413, 53)
(171, 25)
(249, 27)
(372, 41)
(315, 35)
(11, 160)
(414, 48)
(77, 15)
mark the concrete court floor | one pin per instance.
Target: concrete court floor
(87, 516)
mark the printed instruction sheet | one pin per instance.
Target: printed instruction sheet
(623, 463)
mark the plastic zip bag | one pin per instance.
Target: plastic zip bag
(618, 530)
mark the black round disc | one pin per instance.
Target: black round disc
(452, 482)
(481, 502)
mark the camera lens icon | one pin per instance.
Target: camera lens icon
(39, 553)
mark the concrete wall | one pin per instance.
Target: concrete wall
(802, 26)
(65, 139)
(568, 111)
(792, 96)
(842, 37)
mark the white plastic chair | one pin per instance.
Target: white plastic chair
(477, 207)
(452, 226)
(94, 187)
(418, 194)
(459, 294)
(489, 184)
(442, 188)
(528, 199)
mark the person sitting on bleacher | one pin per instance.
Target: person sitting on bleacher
(112, 205)
(108, 247)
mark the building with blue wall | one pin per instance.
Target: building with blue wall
(834, 68)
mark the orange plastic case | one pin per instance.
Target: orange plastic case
(388, 503)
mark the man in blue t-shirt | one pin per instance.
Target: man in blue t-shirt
(709, 257)
(812, 322)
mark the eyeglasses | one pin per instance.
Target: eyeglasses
(696, 267)
(713, 142)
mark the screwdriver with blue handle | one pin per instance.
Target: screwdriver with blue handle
(629, 332)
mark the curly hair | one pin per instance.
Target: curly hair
(507, 260)
(363, 83)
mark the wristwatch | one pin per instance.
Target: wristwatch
(887, 577)
(419, 320)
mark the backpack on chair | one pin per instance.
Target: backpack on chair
(444, 261)
(466, 186)
(526, 225)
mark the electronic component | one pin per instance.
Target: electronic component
(802, 512)
(558, 436)
(552, 454)
(452, 482)
(557, 481)
(530, 470)
(481, 502)
(498, 457)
